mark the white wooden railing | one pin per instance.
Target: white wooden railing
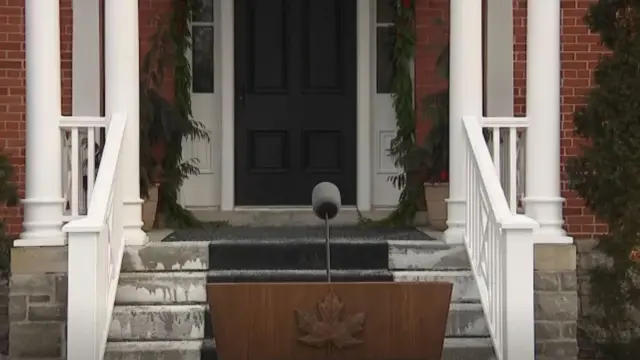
(500, 248)
(96, 246)
(80, 139)
(506, 141)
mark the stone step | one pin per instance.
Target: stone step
(454, 349)
(190, 287)
(295, 216)
(194, 256)
(192, 322)
(427, 255)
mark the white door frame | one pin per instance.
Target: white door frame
(364, 93)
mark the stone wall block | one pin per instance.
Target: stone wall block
(47, 313)
(38, 304)
(17, 308)
(546, 281)
(36, 340)
(556, 302)
(560, 306)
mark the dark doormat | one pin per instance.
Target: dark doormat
(303, 233)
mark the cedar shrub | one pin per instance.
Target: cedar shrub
(607, 176)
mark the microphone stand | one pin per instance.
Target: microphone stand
(327, 247)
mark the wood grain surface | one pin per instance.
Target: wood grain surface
(337, 321)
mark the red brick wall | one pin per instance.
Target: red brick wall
(580, 55)
(432, 17)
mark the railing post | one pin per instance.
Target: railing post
(43, 203)
(465, 86)
(83, 313)
(123, 96)
(519, 336)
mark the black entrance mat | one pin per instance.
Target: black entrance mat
(302, 233)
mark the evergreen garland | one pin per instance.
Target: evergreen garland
(404, 149)
(180, 170)
(170, 122)
(607, 176)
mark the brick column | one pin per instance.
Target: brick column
(556, 302)
(37, 303)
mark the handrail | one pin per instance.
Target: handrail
(500, 248)
(96, 247)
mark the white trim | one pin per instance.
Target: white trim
(364, 93)
(227, 91)
(499, 57)
(85, 55)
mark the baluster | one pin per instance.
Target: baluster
(495, 145)
(91, 162)
(513, 169)
(75, 171)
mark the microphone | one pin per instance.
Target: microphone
(326, 200)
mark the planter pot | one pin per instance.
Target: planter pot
(337, 321)
(149, 208)
(435, 195)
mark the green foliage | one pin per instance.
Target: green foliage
(422, 161)
(167, 123)
(403, 146)
(8, 197)
(607, 176)
(435, 148)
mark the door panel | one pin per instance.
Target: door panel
(295, 114)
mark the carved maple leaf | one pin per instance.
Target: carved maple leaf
(329, 327)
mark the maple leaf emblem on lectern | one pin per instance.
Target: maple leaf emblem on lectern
(329, 327)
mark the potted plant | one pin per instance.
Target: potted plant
(435, 149)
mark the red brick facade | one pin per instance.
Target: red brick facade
(580, 53)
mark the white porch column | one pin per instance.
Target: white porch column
(465, 87)
(122, 74)
(542, 200)
(43, 203)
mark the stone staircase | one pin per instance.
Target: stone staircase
(161, 310)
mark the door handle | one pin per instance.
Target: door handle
(241, 96)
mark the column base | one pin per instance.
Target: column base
(133, 233)
(547, 211)
(42, 223)
(455, 221)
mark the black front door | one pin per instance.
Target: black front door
(295, 113)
